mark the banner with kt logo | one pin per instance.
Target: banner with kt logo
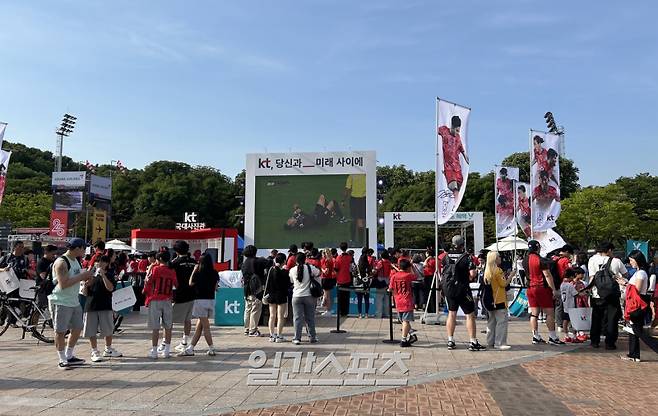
(229, 306)
(643, 246)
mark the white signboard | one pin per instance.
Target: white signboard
(101, 187)
(190, 222)
(69, 179)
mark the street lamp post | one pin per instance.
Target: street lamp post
(65, 129)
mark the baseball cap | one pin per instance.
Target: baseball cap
(76, 243)
(457, 241)
(534, 246)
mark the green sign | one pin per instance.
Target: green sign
(229, 307)
(643, 246)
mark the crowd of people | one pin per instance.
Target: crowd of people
(180, 289)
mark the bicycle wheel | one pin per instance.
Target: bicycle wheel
(4, 319)
(41, 329)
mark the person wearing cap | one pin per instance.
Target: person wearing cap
(65, 308)
(458, 294)
(452, 148)
(541, 293)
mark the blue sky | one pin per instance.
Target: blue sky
(206, 82)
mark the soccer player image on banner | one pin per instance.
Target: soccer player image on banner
(452, 158)
(505, 178)
(4, 164)
(544, 180)
(523, 207)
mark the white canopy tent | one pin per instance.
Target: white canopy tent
(510, 243)
(118, 245)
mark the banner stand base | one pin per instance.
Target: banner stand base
(435, 319)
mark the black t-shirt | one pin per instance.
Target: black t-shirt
(463, 266)
(98, 297)
(183, 266)
(205, 283)
(43, 266)
(18, 263)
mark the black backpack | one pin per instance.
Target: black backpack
(605, 283)
(487, 297)
(49, 283)
(451, 285)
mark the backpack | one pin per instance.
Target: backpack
(314, 286)
(49, 283)
(451, 285)
(605, 283)
(487, 297)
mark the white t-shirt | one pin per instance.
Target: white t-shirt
(597, 262)
(641, 276)
(303, 288)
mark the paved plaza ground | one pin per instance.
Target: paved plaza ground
(525, 380)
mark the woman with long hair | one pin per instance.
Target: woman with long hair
(363, 283)
(498, 318)
(328, 279)
(640, 280)
(303, 303)
(276, 293)
(203, 281)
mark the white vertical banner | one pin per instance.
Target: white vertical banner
(545, 179)
(4, 164)
(3, 126)
(549, 240)
(523, 215)
(452, 164)
(506, 177)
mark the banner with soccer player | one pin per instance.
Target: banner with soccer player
(544, 179)
(4, 164)
(523, 199)
(504, 191)
(452, 162)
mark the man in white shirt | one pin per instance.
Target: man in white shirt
(605, 311)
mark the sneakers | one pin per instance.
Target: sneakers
(476, 346)
(166, 353)
(452, 345)
(96, 356)
(64, 365)
(272, 338)
(627, 358)
(180, 347)
(296, 341)
(211, 352)
(413, 338)
(111, 352)
(327, 313)
(405, 343)
(628, 329)
(161, 348)
(246, 332)
(254, 334)
(503, 347)
(538, 340)
(153, 353)
(314, 340)
(187, 352)
(555, 341)
(569, 340)
(279, 338)
(75, 361)
(581, 337)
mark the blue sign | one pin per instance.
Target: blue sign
(229, 307)
(643, 246)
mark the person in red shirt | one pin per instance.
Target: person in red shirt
(99, 249)
(545, 193)
(504, 185)
(328, 279)
(292, 256)
(400, 286)
(343, 266)
(382, 274)
(541, 293)
(523, 208)
(314, 258)
(452, 148)
(159, 293)
(540, 155)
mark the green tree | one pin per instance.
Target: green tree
(26, 210)
(595, 214)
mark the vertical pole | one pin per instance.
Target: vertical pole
(532, 214)
(86, 220)
(495, 213)
(435, 279)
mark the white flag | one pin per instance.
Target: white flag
(3, 126)
(504, 202)
(4, 164)
(545, 179)
(452, 163)
(523, 207)
(549, 240)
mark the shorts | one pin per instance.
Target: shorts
(98, 323)
(465, 302)
(183, 312)
(406, 316)
(204, 308)
(565, 317)
(328, 283)
(160, 314)
(66, 318)
(540, 297)
(358, 208)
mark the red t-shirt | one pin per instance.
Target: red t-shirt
(94, 259)
(401, 287)
(327, 268)
(160, 285)
(142, 266)
(430, 267)
(545, 195)
(441, 258)
(291, 262)
(452, 147)
(314, 262)
(343, 265)
(563, 264)
(384, 268)
(535, 270)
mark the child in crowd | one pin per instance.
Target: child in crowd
(582, 300)
(569, 293)
(400, 285)
(159, 293)
(99, 317)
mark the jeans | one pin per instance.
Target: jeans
(303, 310)
(497, 327)
(381, 303)
(253, 307)
(637, 320)
(360, 295)
(605, 315)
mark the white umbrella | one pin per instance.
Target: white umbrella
(510, 243)
(118, 245)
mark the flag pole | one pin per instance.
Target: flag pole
(435, 280)
(495, 213)
(532, 217)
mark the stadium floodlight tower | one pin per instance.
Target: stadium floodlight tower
(555, 129)
(65, 129)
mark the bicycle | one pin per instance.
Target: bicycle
(29, 316)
